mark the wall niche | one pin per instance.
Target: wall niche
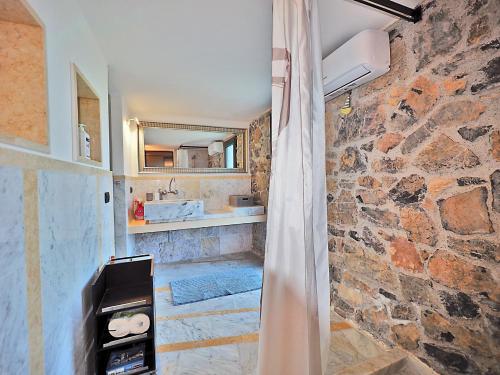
(87, 120)
(23, 82)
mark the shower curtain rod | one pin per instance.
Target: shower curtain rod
(408, 14)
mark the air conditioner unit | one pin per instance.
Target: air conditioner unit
(361, 59)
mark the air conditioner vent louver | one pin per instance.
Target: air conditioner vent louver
(363, 58)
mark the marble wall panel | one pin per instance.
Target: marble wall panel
(13, 293)
(120, 216)
(215, 192)
(69, 252)
(107, 217)
(188, 244)
(235, 239)
(56, 231)
(188, 188)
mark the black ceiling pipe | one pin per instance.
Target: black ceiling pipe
(408, 14)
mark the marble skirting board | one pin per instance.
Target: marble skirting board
(188, 244)
(56, 232)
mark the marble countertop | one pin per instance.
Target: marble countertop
(211, 218)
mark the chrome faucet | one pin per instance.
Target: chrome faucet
(164, 192)
(172, 181)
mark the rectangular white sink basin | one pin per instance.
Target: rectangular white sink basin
(169, 210)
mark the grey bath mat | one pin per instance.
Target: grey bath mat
(216, 285)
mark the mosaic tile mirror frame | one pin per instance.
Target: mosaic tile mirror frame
(180, 148)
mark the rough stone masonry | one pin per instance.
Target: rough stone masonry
(260, 171)
(413, 180)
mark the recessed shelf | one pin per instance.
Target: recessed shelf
(23, 88)
(114, 343)
(87, 120)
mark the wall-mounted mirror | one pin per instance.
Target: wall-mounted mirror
(87, 123)
(175, 148)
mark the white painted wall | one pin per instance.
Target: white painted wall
(69, 39)
(118, 121)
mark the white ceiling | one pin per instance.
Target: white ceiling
(203, 59)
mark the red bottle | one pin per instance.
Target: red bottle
(138, 209)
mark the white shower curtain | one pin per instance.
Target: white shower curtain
(295, 320)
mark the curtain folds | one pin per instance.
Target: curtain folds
(295, 321)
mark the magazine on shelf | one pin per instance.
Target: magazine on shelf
(126, 360)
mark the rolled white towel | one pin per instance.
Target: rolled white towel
(119, 327)
(139, 323)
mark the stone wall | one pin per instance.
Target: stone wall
(260, 170)
(413, 179)
(216, 160)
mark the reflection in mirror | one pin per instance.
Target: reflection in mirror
(191, 148)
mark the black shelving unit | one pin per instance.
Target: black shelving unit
(124, 284)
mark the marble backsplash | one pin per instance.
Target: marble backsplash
(214, 191)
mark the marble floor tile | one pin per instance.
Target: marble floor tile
(165, 308)
(219, 336)
(349, 348)
(248, 358)
(220, 360)
(206, 327)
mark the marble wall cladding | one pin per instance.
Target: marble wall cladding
(56, 232)
(215, 192)
(180, 245)
(107, 217)
(69, 256)
(13, 293)
(120, 215)
(235, 238)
